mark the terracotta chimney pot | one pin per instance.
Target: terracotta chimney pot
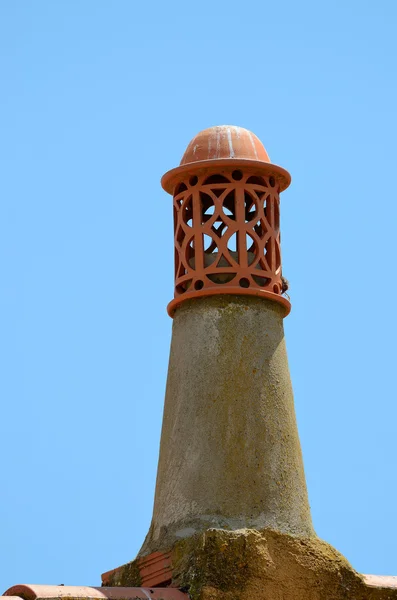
(227, 218)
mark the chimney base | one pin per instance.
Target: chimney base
(241, 565)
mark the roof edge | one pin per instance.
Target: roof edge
(55, 592)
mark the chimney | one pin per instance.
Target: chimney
(231, 518)
(230, 455)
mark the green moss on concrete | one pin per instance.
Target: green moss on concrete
(266, 565)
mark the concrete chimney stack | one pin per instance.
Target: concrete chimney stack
(231, 518)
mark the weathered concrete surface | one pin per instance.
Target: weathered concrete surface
(230, 455)
(265, 565)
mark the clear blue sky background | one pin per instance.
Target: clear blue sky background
(98, 99)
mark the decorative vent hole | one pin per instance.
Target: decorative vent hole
(181, 187)
(217, 178)
(250, 207)
(219, 228)
(187, 212)
(183, 287)
(257, 180)
(221, 278)
(208, 242)
(232, 243)
(229, 205)
(261, 281)
(252, 248)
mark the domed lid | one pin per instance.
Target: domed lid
(225, 145)
(225, 141)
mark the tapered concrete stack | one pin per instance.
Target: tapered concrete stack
(231, 514)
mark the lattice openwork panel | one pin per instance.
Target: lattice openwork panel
(227, 234)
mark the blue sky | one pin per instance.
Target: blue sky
(98, 99)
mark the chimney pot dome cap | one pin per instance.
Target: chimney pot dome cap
(225, 141)
(225, 145)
